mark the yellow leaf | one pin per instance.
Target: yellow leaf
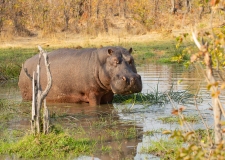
(189, 133)
(179, 81)
(194, 148)
(183, 154)
(216, 94)
(222, 123)
(166, 132)
(175, 111)
(209, 86)
(214, 2)
(182, 108)
(215, 84)
(223, 85)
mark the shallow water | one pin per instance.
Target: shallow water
(158, 78)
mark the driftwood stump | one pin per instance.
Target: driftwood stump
(38, 96)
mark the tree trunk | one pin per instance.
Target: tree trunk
(125, 8)
(98, 9)
(188, 6)
(173, 9)
(217, 111)
(2, 10)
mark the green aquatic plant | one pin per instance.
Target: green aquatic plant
(158, 98)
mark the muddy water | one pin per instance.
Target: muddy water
(145, 118)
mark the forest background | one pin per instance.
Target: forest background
(61, 19)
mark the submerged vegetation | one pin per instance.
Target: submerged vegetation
(159, 98)
(176, 119)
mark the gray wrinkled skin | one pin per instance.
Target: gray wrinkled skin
(85, 75)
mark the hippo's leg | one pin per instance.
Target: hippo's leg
(94, 99)
(107, 98)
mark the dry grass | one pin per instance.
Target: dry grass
(72, 40)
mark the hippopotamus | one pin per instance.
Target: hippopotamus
(91, 75)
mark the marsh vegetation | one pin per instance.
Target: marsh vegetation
(103, 131)
(172, 118)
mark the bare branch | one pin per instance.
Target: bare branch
(217, 107)
(39, 96)
(26, 73)
(196, 41)
(49, 76)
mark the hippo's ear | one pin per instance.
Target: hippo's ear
(130, 50)
(110, 51)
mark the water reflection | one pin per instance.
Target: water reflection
(154, 77)
(94, 121)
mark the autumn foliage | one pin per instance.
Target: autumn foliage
(32, 17)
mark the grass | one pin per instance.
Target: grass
(159, 51)
(13, 59)
(176, 119)
(50, 145)
(66, 141)
(158, 98)
(183, 145)
(164, 148)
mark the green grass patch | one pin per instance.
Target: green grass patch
(164, 148)
(13, 59)
(158, 98)
(152, 52)
(176, 119)
(51, 145)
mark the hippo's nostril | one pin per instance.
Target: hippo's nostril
(132, 79)
(124, 78)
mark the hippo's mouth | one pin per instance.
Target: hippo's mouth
(126, 90)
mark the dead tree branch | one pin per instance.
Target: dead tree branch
(39, 96)
(217, 107)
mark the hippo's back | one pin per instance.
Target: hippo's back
(67, 66)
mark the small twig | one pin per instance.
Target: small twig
(26, 73)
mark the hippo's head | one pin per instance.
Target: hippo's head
(122, 72)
